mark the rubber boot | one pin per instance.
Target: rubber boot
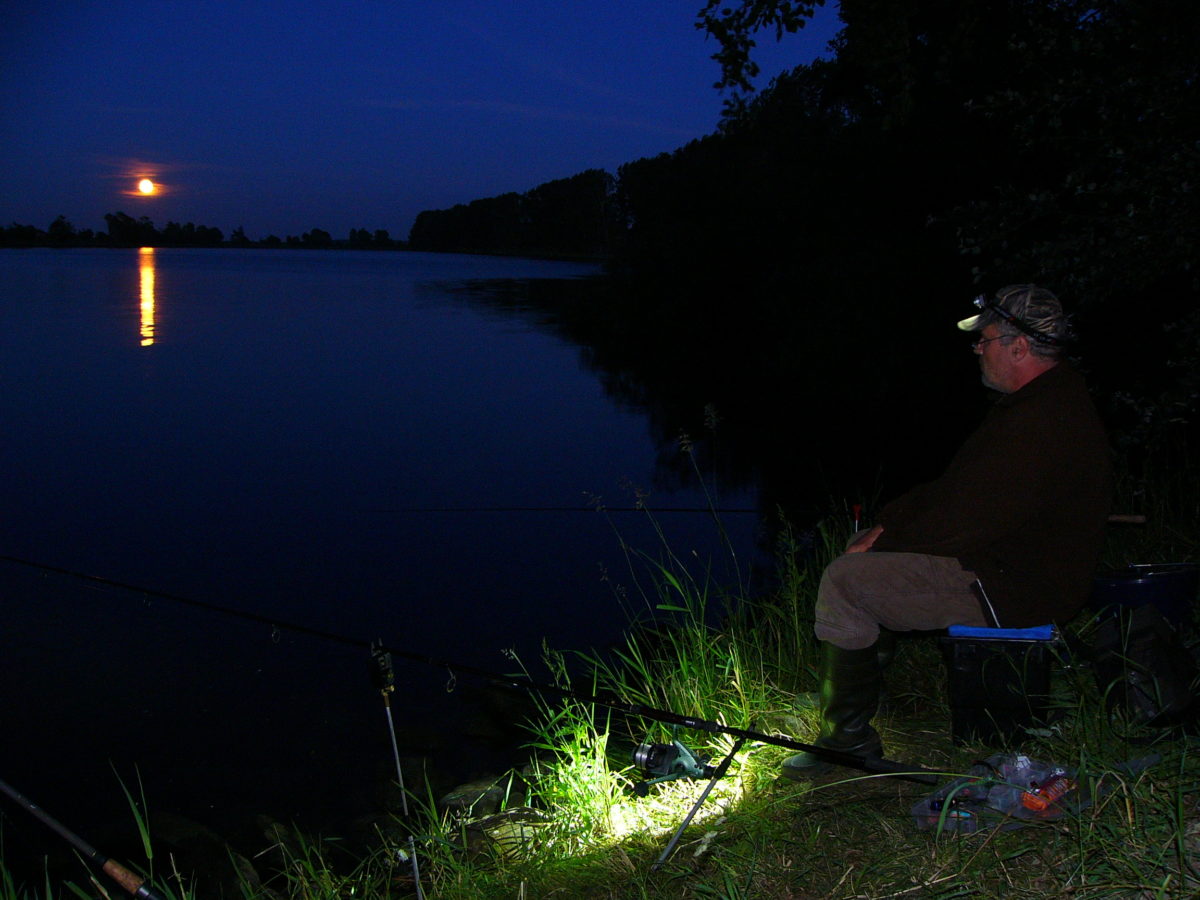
(885, 648)
(850, 685)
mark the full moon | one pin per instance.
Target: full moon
(146, 186)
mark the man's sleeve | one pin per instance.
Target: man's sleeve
(994, 483)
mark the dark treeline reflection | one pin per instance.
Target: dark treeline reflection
(809, 427)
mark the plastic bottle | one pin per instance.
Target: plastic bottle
(1051, 790)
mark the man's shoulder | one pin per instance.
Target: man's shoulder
(1058, 388)
(1054, 411)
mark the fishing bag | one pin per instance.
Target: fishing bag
(1143, 669)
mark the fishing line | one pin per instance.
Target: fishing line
(875, 766)
(189, 601)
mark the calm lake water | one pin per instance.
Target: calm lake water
(337, 440)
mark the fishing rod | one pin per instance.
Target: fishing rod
(873, 765)
(878, 766)
(130, 882)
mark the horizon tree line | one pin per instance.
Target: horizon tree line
(122, 230)
(572, 216)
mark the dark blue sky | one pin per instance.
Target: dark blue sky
(287, 116)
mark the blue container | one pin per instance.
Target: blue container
(1170, 587)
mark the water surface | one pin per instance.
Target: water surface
(331, 439)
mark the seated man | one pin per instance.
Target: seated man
(1020, 510)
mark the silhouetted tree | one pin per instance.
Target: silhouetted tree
(734, 26)
(21, 236)
(317, 238)
(125, 231)
(207, 236)
(569, 216)
(172, 235)
(61, 232)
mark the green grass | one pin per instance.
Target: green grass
(169, 885)
(572, 826)
(1164, 488)
(851, 836)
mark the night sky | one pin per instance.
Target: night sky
(281, 117)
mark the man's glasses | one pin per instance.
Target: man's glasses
(979, 343)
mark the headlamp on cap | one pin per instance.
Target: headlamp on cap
(991, 308)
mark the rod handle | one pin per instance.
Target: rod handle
(130, 882)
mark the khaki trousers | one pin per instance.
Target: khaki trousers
(861, 592)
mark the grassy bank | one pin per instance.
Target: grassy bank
(570, 825)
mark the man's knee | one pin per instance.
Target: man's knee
(839, 618)
(843, 576)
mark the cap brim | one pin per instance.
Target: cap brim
(971, 324)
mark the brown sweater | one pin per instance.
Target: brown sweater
(1022, 504)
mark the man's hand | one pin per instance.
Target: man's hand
(863, 542)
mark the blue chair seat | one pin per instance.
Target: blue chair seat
(1034, 633)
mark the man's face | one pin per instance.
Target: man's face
(995, 359)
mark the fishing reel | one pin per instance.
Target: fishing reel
(667, 762)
